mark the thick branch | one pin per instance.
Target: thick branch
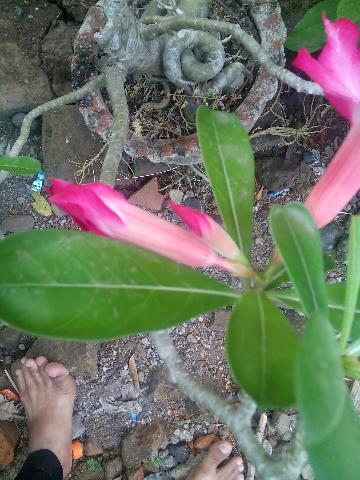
(160, 25)
(47, 107)
(237, 418)
(114, 80)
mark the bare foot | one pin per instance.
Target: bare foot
(47, 392)
(209, 469)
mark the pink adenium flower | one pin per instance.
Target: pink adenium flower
(337, 70)
(100, 209)
(210, 233)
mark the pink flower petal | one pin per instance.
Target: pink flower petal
(340, 182)
(208, 230)
(337, 69)
(102, 210)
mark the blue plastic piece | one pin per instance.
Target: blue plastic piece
(38, 183)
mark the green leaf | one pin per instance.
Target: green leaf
(349, 9)
(353, 282)
(261, 348)
(20, 165)
(80, 286)
(309, 32)
(332, 428)
(298, 240)
(229, 163)
(335, 293)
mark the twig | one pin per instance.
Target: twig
(238, 418)
(47, 107)
(114, 80)
(159, 25)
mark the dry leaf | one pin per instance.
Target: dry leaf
(41, 205)
(260, 194)
(134, 372)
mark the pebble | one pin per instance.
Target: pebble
(194, 202)
(78, 426)
(191, 338)
(281, 423)
(184, 435)
(176, 195)
(167, 461)
(179, 452)
(21, 346)
(308, 473)
(330, 236)
(311, 156)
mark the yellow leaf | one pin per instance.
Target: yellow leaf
(41, 205)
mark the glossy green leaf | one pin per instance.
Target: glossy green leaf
(352, 283)
(332, 428)
(80, 286)
(309, 32)
(20, 165)
(229, 163)
(261, 348)
(349, 9)
(298, 241)
(335, 293)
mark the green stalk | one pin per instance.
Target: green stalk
(353, 282)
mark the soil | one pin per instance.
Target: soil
(315, 132)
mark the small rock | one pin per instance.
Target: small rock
(143, 442)
(281, 423)
(92, 447)
(21, 347)
(9, 337)
(148, 196)
(80, 358)
(182, 435)
(194, 202)
(113, 468)
(311, 156)
(78, 426)
(167, 461)
(308, 473)
(204, 442)
(191, 338)
(176, 195)
(17, 223)
(136, 474)
(330, 237)
(180, 452)
(267, 446)
(220, 320)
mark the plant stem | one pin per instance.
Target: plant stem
(238, 418)
(160, 25)
(114, 80)
(47, 107)
(353, 283)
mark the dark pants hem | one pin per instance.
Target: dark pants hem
(41, 465)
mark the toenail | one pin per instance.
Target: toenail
(225, 448)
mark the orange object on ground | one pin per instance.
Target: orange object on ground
(77, 450)
(10, 394)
